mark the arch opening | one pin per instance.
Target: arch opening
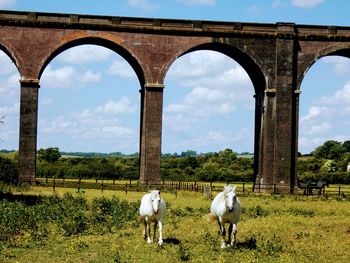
(208, 106)
(102, 43)
(324, 114)
(89, 102)
(9, 103)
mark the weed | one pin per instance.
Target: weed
(301, 212)
(272, 246)
(184, 253)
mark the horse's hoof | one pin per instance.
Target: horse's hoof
(160, 242)
(223, 246)
(149, 241)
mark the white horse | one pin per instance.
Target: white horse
(226, 208)
(153, 209)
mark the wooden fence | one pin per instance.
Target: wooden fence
(175, 186)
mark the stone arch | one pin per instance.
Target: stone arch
(342, 49)
(113, 44)
(250, 65)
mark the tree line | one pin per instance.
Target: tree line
(327, 162)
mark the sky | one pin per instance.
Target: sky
(89, 96)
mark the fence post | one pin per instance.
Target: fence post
(211, 190)
(259, 187)
(339, 191)
(274, 189)
(79, 180)
(54, 184)
(243, 187)
(102, 186)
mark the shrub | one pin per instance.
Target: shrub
(8, 171)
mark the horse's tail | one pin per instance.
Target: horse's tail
(211, 217)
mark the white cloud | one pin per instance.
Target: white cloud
(9, 88)
(67, 77)
(116, 107)
(199, 2)
(324, 127)
(85, 54)
(341, 97)
(306, 3)
(121, 68)
(7, 3)
(143, 5)
(9, 109)
(341, 64)
(175, 123)
(314, 112)
(211, 70)
(91, 121)
(204, 102)
(89, 76)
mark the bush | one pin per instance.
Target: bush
(8, 171)
(72, 216)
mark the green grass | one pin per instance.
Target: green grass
(272, 229)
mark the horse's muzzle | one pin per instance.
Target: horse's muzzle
(230, 209)
(156, 211)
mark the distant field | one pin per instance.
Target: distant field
(272, 229)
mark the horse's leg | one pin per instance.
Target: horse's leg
(160, 241)
(148, 231)
(222, 233)
(155, 230)
(234, 229)
(229, 234)
(145, 230)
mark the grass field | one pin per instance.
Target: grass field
(272, 229)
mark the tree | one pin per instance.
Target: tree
(330, 149)
(189, 153)
(50, 155)
(346, 146)
(227, 156)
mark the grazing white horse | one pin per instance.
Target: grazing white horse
(153, 209)
(226, 208)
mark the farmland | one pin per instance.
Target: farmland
(273, 228)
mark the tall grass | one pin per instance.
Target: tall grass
(96, 227)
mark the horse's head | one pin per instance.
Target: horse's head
(230, 197)
(155, 197)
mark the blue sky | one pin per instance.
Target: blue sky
(89, 96)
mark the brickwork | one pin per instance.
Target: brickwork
(275, 56)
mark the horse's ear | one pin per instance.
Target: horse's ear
(159, 192)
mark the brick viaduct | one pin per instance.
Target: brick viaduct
(275, 56)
